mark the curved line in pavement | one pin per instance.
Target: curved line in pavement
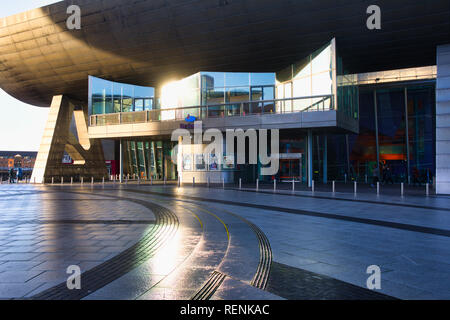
(165, 228)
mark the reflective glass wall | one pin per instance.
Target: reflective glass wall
(396, 135)
(150, 160)
(313, 76)
(112, 97)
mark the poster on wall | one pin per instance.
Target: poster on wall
(213, 162)
(228, 162)
(187, 162)
(200, 163)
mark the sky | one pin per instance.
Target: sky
(21, 125)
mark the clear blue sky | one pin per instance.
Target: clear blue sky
(21, 125)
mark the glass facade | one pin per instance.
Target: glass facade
(396, 128)
(315, 75)
(149, 160)
(112, 97)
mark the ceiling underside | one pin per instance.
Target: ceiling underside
(149, 42)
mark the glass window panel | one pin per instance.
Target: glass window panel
(257, 93)
(138, 104)
(215, 96)
(322, 61)
(322, 84)
(302, 88)
(148, 104)
(236, 79)
(213, 79)
(237, 94)
(144, 92)
(269, 93)
(262, 79)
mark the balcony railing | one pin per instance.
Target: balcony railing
(238, 109)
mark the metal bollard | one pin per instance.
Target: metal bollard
(345, 178)
(126, 178)
(366, 179)
(208, 182)
(179, 181)
(378, 188)
(402, 189)
(334, 186)
(274, 185)
(427, 189)
(312, 186)
(193, 181)
(92, 180)
(223, 183)
(257, 184)
(355, 187)
(240, 183)
(34, 180)
(53, 180)
(71, 180)
(82, 180)
(62, 180)
(103, 180)
(151, 180)
(293, 185)
(165, 180)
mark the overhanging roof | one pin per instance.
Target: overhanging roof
(148, 42)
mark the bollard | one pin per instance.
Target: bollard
(223, 183)
(274, 185)
(82, 180)
(240, 183)
(312, 186)
(193, 181)
(355, 187)
(208, 181)
(427, 189)
(92, 180)
(35, 180)
(126, 178)
(293, 185)
(366, 179)
(257, 184)
(179, 181)
(402, 189)
(165, 180)
(139, 180)
(334, 186)
(151, 180)
(378, 188)
(71, 180)
(103, 180)
(53, 180)
(62, 180)
(345, 178)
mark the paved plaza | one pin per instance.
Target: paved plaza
(163, 242)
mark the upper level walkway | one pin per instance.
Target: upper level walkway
(303, 112)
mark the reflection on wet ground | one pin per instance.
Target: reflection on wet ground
(163, 242)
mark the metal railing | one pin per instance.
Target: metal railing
(238, 109)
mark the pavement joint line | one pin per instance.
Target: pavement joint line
(381, 223)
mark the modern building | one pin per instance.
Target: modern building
(349, 102)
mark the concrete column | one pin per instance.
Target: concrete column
(310, 157)
(443, 120)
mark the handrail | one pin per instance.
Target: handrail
(242, 108)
